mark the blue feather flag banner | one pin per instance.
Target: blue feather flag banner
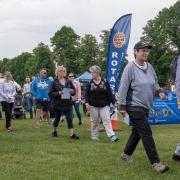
(117, 49)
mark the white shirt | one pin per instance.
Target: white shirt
(7, 91)
(144, 67)
(27, 89)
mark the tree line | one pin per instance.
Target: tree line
(163, 33)
(78, 53)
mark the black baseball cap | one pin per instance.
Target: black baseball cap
(141, 45)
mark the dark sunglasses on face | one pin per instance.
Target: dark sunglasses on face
(71, 76)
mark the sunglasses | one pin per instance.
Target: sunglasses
(71, 76)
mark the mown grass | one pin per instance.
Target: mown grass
(32, 154)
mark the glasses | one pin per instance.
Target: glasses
(71, 76)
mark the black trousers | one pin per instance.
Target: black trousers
(0, 114)
(141, 130)
(7, 107)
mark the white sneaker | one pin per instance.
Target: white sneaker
(95, 138)
(37, 125)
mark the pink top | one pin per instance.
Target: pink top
(77, 96)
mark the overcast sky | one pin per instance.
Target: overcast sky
(25, 23)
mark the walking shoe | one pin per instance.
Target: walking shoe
(80, 122)
(74, 136)
(9, 129)
(62, 119)
(37, 125)
(54, 133)
(95, 138)
(114, 138)
(160, 167)
(127, 158)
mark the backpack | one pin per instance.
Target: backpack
(173, 67)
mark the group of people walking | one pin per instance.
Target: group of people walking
(138, 86)
(62, 94)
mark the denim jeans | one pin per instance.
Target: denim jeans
(76, 107)
(29, 105)
(69, 117)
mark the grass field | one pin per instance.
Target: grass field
(32, 154)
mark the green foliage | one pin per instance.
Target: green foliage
(3, 64)
(65, 44)
(44, 58)
(75, 53)
(28, 64)
(88, 52)
(103, 50)
(78, 54)
(16, 66)
(163, 32)
(17, 69)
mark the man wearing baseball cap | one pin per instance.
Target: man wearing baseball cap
(138, 87)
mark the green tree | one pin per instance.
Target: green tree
(88, 52)
(31, 66)
(65, 44)
(163, 32)
(3, 64)
(28, 64)
(103, 50)
(16, 66)
(43, 58)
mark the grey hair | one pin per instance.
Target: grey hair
(95, 68)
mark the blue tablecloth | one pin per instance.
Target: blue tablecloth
(165, 111)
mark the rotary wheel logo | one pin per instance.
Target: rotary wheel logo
(119, 40)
